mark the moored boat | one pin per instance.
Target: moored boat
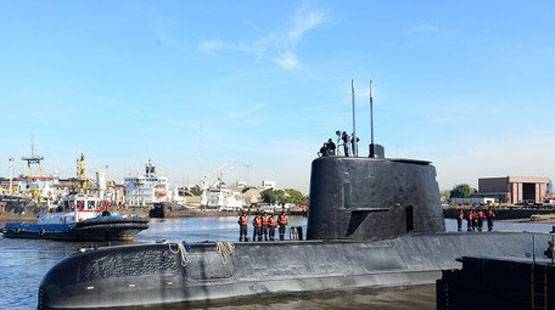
(79, 217)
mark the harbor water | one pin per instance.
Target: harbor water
(23, 263)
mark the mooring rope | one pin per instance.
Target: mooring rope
(225, 249)
(182, 251)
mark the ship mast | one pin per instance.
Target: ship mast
(33, 159)
(354, 137)
(11, 165)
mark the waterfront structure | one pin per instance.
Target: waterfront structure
(514, 189)
(144, 190)
(474, 201)
(268, 184)
(222, 197)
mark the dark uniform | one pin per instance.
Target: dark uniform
(272, 223)
(282, 220)
(243, 222)
(460, 217)
(490, 215)
(345, 139)
(480, 220)
(330, 148)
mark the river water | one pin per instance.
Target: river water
(23, 263)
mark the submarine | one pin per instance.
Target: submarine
(373, 222)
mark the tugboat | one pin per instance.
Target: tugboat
(373, 222)
(79, 217)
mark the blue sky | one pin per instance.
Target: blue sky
(199, 85)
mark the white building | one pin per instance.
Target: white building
(221, 197)
(268, 184)
(146, 189)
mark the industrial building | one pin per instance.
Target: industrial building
(514, 189)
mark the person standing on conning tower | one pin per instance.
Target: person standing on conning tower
(345, 139)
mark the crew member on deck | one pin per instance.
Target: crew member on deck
(549, 251)
(265, 222)
(243, 222)
(481, 217)
(272, 223)
(460, 217)
(490, 215)
(469, 220)
(257, 227)
(282, 220)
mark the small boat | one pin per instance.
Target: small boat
(79, 217)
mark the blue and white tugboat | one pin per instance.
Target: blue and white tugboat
(79, 217)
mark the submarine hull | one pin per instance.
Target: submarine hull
(157, 274)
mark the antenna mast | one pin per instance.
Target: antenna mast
(11, 161)
(371, 115)
(354, 137)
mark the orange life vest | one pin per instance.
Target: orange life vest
(265, 220)
(257, 222)
(243, 220)
(283, 219)
(272, 221)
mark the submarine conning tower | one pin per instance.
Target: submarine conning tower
(372, 198)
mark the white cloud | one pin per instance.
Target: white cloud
(279, 46)
(423, 28)
(288, 61)
(304, 22)
(211, 46)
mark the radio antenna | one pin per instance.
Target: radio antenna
(371, 115)
(354, 137)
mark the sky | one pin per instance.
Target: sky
(251, 89)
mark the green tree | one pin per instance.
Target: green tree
(462, 191)
(196, 190)
(269, 196)
(295, 197)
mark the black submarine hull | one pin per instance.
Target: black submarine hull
(156, 274)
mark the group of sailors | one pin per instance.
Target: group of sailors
(264, 226)
(475, 219)
(343, 140)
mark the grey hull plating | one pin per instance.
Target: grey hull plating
(152, 274)
(373, 222)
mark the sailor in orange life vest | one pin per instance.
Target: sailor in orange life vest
(265, 222)
(257, 227)
(243, 221)
(272, 224)
(282, 220)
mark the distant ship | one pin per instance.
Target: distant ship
(79, 217)
(148, 189)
